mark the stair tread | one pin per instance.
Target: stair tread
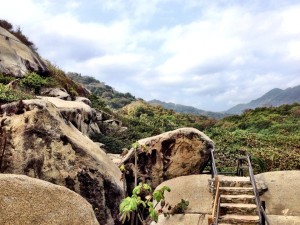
(236, 188)
(239, 217)
(237, 196)
(234, 178)
(238, 205)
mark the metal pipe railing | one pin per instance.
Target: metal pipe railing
(261, 212)
(214, 174)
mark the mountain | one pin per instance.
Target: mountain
(275, 97)
(187, 109)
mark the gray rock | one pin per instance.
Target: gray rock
(40, 142)
(25, 200)
(60, 93)
(17, 59)
(172, 154)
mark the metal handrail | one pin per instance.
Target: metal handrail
(214, 173)
(261, 212)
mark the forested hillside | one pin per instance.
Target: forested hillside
(271, 135)
(109, 95)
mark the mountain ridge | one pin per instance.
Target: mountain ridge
(274, 97)
(187, 109)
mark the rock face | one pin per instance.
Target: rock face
(38, 140)
(81, 115)
(282, 197)
(193, 188)
(17, 59)
(25, 200)
(176, 153)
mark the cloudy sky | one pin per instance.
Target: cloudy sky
(208, 54)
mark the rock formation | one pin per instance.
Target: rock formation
(81, 115)
(17, 59)
(25, 200)
(176, 153)
(37, 139)
(193, 188)
(282, 197)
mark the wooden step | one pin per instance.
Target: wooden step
(238, 219)
(247, 199)
(238, 208)
(236, 191)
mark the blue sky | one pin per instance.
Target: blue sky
(208, 54)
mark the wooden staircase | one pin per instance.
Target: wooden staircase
(237, 201)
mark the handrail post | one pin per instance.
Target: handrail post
(263, 205)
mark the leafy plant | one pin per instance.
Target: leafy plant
(141, 203)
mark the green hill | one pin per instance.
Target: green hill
(111, 97)
(270, 134)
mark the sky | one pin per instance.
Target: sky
(208, 54)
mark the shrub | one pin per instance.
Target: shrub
(34, 81)
(7, 95)
(4, 79)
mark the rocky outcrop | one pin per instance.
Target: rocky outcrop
(282, 201)
(56, 92)
(25, 200)
(37, 139)
(81, 115)
(193, 188)
(172, 154)
(16, 59)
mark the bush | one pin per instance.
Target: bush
(34, 81)
(4, 79)
(7, 95)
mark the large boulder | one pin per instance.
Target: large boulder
(172, 154)
(17, 59)
(38, 140)
(193, 188)
(29, 201)
(282, 196)
(81, 115)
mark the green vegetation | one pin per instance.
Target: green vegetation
(62, 80)
(112, 98)
(7, 95)
(5, 79)
(270, 135)
(33, 81)
(143, 120)
(141, 202)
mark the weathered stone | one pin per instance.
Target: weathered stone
(182, 219)
(17, 59)
(184, 187)
(28, 201)
(282, 197)
(84, 100)
(56, 92)
(194, 189)
(38, 140)
(172, 154)
(79, 114)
